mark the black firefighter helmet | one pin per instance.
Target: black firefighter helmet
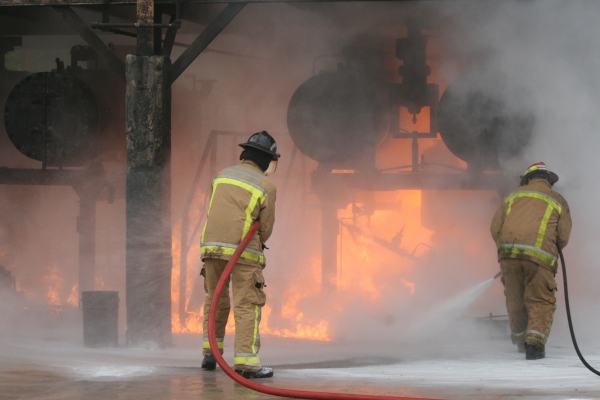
(264, 142)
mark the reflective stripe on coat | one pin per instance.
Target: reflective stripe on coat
(240, 195)
(529, 224)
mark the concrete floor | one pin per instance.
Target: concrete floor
(55, 365)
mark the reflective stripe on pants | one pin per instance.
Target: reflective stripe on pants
(247, 299)
(530, 300)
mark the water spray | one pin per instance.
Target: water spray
(298, 394)
(564, 269)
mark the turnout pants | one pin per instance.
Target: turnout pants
(530, 300)
(248, 298)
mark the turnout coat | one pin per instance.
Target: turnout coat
(530, 223)
(240, 195)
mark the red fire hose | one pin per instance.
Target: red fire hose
(298, 394)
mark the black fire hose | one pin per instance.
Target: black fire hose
(564, 269)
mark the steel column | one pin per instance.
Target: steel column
(86, 227)
(148, 201)
(145, 35)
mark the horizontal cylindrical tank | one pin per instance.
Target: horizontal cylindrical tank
(337, 116)
(51, 117)
(485, 117)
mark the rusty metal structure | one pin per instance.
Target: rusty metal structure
(147, 76)
(339, 117)
(144, 78)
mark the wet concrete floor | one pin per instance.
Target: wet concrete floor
(28, 382)
(57, 370)
(54, 364)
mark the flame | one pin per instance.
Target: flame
(54, 285)
(193, 318)
(302, 327)
(99, 283)
(55, 294)
(368, 264)
(366, 270)
(73, 298)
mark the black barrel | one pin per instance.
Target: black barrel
(100, 318)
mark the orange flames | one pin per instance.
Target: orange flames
(378, 249)
(302, 326)
(54, 285)
(365, 269)
(73, 298)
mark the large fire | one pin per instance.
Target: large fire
(55, 284)
(365, 268)
(384, 244)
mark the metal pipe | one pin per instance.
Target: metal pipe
(102, 25)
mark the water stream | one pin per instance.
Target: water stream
(450, 310)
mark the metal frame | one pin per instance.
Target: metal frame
(10, 3)
(82, 28)
(205, 38)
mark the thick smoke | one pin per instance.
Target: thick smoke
(550, 47)
(547, 48)
(243, 84)
(374, 302)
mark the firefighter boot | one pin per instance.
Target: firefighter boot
(264, 372)
(533, 353)
(209, 363)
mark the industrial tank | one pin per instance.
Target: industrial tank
(338, 116)
(485, 117)
(51, 117)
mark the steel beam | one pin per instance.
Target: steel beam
(9, 3)
(169, 39)
(329, 247)
(48, 177)
(86, 227)
(205, 38)
(413, 181)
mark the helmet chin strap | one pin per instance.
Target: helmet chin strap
(524, 181)
(272, 167)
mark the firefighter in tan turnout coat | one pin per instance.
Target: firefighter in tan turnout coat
(527, 228)
(240, 195)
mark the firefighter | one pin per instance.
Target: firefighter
(240, 195)
(527, 228)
